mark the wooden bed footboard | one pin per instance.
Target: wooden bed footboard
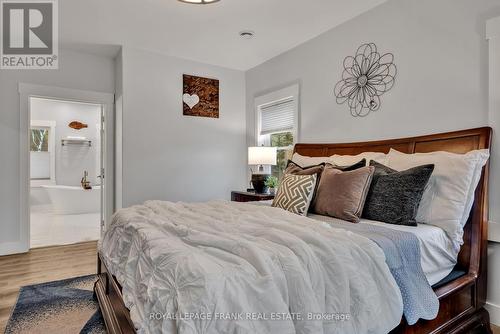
(457, 314)
(108, 292)
(462, 298)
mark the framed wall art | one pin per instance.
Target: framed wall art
(200, 96)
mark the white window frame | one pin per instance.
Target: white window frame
(273, 97)
(51, 125)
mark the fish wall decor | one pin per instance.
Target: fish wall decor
(77, 125)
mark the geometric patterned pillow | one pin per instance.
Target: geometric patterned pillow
(295, 193)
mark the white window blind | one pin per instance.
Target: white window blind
(277, 117)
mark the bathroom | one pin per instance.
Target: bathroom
(65, 160)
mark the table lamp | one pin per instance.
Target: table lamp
(261, 156)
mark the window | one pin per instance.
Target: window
(284, 142)
(39, 141)
(277, 124)
(42, 158)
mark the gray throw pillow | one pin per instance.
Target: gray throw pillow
(394, 196)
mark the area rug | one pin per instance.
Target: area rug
(66, 306)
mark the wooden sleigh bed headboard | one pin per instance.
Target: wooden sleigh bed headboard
(463, 298)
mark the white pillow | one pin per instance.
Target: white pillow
(348, 160)
(339, 160)
(305, 161)
(448, 199)
(483, 156)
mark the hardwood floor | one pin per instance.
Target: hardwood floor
(42, 265)
(48, 264)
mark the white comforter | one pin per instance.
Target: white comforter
(189, 268)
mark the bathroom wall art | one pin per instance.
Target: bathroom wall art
(200, 96)
(77, 125)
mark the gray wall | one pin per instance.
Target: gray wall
(494, 120)
(442, 58)
(76, 70)
(72, 160)
(170, 156)
(441, 55)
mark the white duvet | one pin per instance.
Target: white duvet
(226, 267)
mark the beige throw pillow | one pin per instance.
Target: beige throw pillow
(342, 194)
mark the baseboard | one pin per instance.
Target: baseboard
(8, 248)
(494, 311)
(493, 231)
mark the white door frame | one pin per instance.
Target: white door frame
(26, 91)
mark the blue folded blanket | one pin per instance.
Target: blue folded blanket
(402, 255)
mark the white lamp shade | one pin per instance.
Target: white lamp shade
(262, 155)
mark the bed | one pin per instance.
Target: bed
(460, 284)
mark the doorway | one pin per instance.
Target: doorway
(65, 177)
(66, 148)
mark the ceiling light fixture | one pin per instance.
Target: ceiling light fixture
(247, 34)
(199, 2)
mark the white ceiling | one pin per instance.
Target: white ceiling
(205, 33)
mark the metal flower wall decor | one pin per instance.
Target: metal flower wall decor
(365, 78)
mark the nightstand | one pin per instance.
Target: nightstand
(243, 196)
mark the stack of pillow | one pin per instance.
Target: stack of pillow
(434, 188)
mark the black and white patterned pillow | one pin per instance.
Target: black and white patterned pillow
(295, 193)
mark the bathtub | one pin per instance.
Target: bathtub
(74, 200)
